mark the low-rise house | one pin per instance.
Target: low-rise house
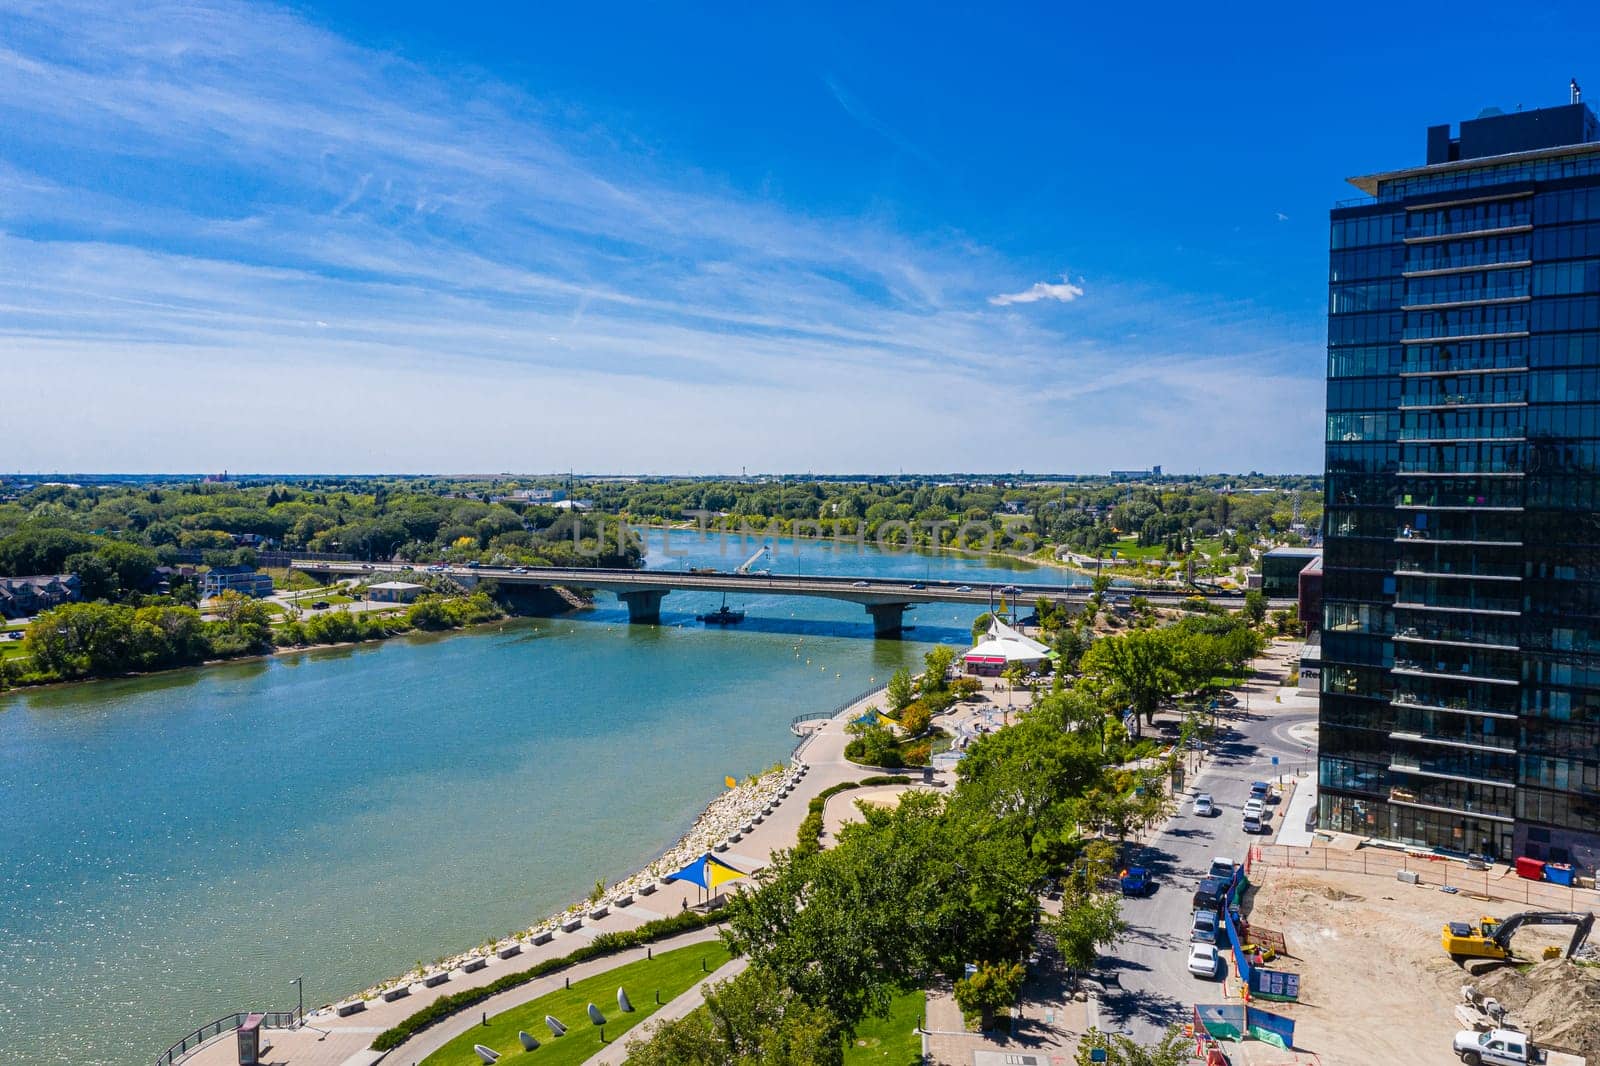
(242, 579)
(24, 596)
(395, 591)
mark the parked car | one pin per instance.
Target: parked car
(1203, 960)
(1221, 866)
(1210, 894)
(1262, 791)
(1254, 823)
(1204, 806)
(1205, 927)
(1136, 881)
(1227, 699)
(321, 605)
(1254, 805)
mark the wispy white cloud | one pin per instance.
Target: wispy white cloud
(201, 198)
(858, 111)
(1063, 291)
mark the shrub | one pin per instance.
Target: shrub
(810, 834)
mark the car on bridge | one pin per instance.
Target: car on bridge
(858, 584)
(963, 588)
(918, 586)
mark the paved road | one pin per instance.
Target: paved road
(1153, 986)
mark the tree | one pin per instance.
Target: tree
(901, 691)
(938, 661)
(980, 626)
(1088, 922)
(751, 1020)
(992, 988)
(915, 718)
(873, 745)
(1173, 1049)
(1255, 606)
(1136, 668)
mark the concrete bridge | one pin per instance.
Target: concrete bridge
(885, 599)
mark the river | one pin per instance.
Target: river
(178, 847)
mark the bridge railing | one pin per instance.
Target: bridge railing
(226, 1023)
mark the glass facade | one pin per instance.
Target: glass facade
(1460, 703)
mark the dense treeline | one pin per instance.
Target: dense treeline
(114, 537)
(80, 640)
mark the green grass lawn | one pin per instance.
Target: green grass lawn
(670, 972)
(11, 649)
(892, 1040)
(333, 599)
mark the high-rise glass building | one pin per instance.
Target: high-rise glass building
(1460, 704)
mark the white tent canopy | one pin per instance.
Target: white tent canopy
(1003, 646)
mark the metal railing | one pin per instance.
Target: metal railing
(1496, 882)
(816, 716)
(226, 1023)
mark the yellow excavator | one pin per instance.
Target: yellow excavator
(1490, 938)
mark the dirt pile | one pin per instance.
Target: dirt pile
(1557, 1001)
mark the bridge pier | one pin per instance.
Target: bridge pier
(888, 619)
(644, 605)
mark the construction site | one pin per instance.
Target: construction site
(1393, 964)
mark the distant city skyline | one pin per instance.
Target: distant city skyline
(271, 238)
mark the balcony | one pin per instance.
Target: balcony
(1496, 294)
(1455, 264)
(1506, 745)
(1461, 499)
(1421, 228)
(1475, 672)
(1406, 797)
(1453, 705)
(1462, 768)
(1454, 637)
(1447, 400)
(1412, 568)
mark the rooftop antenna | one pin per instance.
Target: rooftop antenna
(1577, 91)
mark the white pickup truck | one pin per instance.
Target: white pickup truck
(1507, 1047)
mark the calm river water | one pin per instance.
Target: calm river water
(176, 848)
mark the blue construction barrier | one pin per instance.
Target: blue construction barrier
(1270, 1028)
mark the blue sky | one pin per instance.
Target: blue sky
(423, 237)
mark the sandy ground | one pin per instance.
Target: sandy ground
(1376, 987)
